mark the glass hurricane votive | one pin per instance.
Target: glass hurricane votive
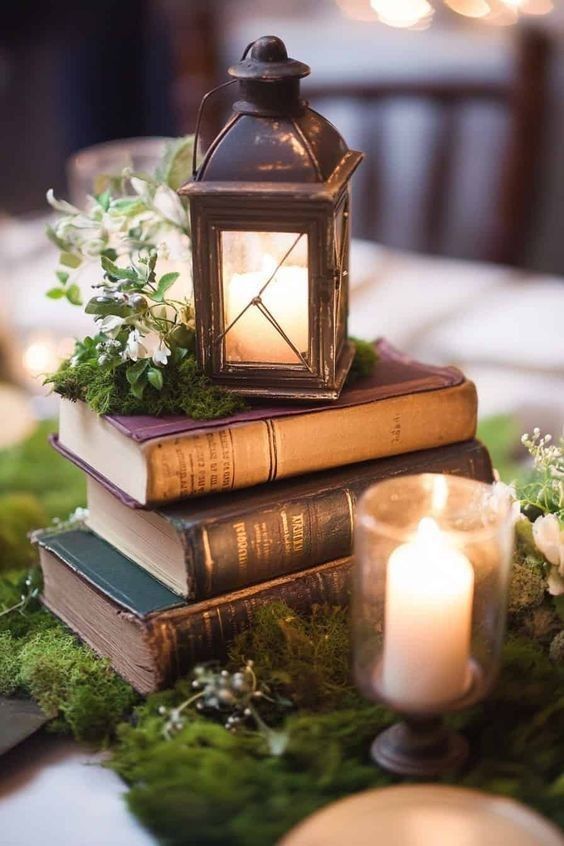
(432, 563)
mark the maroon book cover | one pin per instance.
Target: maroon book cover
(394, 375)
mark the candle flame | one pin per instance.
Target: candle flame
(439, 494)
(428, 533)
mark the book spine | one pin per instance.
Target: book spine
(229, 553)
(253, 453)
(182, 637)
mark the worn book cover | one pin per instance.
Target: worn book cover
(201, 548)
(402, 407)
(149, 633)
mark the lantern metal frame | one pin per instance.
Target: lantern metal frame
(317, 207)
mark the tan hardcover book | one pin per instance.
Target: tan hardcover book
(404, 406)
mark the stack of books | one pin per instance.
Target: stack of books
(194, 524)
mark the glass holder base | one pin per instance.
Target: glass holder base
(420, 748)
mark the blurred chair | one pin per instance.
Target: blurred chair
(464, 192)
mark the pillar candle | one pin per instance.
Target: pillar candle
(253, 338)
(427, 626)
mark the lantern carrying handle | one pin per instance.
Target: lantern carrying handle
(202, 106)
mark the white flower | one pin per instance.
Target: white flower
(549, 538)
(150, 345)
(169, 205)
(155, 347)
(60, 205)
(161, 354)
(110, 325)
(134, 348)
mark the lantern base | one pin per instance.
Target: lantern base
(420, 747)
(297, 389)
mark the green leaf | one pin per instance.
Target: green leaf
(135, 371)
(179, 353)
(165, 282)
(176, 166)
(104, 200)
(55, 293)
(102, 306)
(155, 377)
(138, 388)
(62, 276)
(110, 253)
(118, 272)
(73, 294)
(70, 260)
(184, 337)
(130, 205)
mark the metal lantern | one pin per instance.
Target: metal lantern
(270, 219)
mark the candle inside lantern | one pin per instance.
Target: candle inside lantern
(428, 616)
(265, 279)
(254, 337)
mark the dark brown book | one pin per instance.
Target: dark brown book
(217, 544)
(149, 634)
(402, 407)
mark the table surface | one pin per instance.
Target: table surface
(503, 327)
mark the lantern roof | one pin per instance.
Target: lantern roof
(273, 135)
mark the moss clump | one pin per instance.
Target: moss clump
(557, 649)
(19, 515)
(70, 682)
(304, 657)
(225, 789)
(41, 659)
(185, 391)
(527, 589)
(34, 468)
(364, 360)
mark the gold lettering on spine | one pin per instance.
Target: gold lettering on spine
(297, 533)
(208, 560)
(351, 503)
(242, 544)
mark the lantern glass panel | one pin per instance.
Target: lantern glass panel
(265, 280)
(341, 242)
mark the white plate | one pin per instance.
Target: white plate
(424, 815)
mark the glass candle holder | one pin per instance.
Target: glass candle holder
(433, 556)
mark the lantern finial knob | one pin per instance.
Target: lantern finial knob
(266, 59)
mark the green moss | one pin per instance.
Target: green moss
(305, 657)
(185, 391)
(33, 467)
(364, 360)
(225, 789)
(19, 515)
(41, 659)
(9, 664)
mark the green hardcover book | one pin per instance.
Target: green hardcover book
(148, 632)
